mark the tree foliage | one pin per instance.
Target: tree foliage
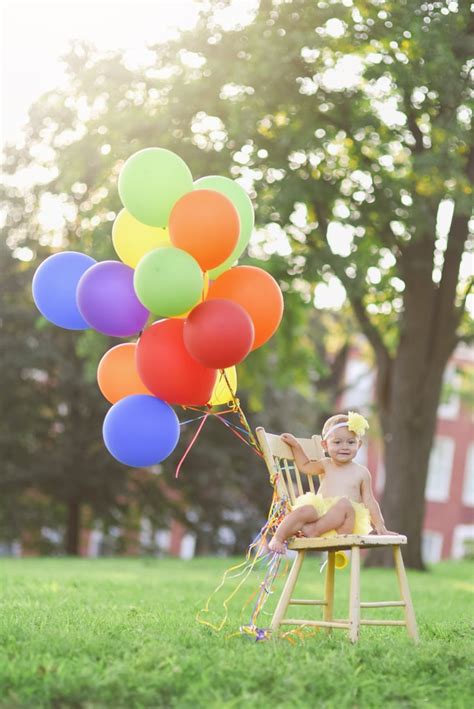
(349, 124)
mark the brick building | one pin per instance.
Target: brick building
(449, 514)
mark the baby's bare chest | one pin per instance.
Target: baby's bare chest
(341, 482)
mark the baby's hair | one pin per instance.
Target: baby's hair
(332, 421)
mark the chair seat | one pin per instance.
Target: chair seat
(346, 541)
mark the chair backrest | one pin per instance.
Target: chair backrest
(281, 464)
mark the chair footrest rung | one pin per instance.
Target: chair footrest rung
(382, 622)
(317, 623)
(306, 602)
(382, 604)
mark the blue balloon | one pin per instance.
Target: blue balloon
(54, 288)
(141, 430)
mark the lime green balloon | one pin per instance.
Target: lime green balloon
(241, 201)
(168, 281)
(151, 182)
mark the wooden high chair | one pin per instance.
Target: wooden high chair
(283, 471)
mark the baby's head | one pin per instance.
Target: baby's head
(342, 436)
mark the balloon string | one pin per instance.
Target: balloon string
(234, 425)
(231, 424)
(197, 418)
(235, 408)
(226, 423)
(191, 444)
(207, 409)
(238, 410)
(256, 555)
(236, 433)
(242, 416)
(248, 565)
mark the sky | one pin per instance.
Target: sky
(35, 34)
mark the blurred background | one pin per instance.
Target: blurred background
(348, 122)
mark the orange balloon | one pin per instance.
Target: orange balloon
(206, 225)
(117, 374)
(257, 292)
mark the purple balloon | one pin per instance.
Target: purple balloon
(107, 301)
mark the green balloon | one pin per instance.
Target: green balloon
(168, 281)
(151, 182)
(241, 201)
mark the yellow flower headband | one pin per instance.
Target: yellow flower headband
(355, 423)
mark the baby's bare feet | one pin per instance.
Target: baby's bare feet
(310, 529)
(262, 548)
(277, 546)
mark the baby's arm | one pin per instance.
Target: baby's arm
(372, 505)
(303, 463)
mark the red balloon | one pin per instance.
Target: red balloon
(168, 370)
(257, 293)
(218, 333)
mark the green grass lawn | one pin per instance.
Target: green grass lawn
(122, 633)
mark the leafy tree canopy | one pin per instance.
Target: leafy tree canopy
(349, 123)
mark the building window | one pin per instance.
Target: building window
(468, 487)
(163, 539)
(431, 546)
(359, 381)
(463, 541)
(188, 545)
(450, 399)
(440, 469)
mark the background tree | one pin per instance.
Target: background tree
(368, 162)
(54, 461)
(348, 175)
(57, 473)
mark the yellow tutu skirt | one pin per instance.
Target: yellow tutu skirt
(322, 505)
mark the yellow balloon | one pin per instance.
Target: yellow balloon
(132, 239)
(221, 394)
(205, 291)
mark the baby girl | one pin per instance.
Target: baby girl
(345, 503)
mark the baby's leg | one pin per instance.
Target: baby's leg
(341, 517)
(293, 522)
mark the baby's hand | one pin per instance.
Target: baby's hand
(289, 439)
(384, 530)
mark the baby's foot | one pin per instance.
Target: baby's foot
(277, 546)
(263, 548)
(310, 529)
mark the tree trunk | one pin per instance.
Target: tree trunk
(408, 436)
(409, 388)
(73, 528)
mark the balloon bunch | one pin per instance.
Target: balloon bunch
(177, 242)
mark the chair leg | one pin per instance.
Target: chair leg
(328, 612)
(410, 618)
(354, 601)
(285, 597)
